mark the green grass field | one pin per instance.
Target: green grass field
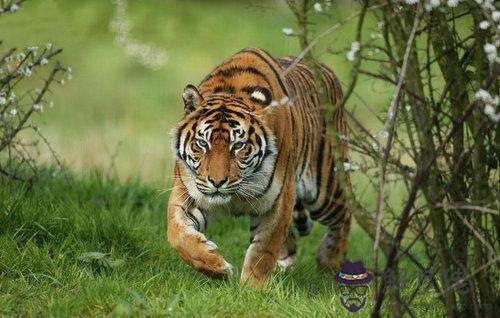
(47, 230)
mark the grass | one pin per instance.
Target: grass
(44, 269)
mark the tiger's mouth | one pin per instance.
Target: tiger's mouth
(217, 198)
(218, 193)
(224, 192)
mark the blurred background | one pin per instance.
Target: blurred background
(117, 111)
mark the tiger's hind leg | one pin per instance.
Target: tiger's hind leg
(333, 247)
(301, 219)
(288, 252)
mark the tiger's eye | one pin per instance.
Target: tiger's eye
(238, 145)
(203, 143)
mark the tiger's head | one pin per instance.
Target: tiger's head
(225, 148)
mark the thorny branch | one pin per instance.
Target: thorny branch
(18, 104)
(439, 142)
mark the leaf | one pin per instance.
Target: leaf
(91, 256)
(112, 263)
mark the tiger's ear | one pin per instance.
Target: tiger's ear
(192, 98)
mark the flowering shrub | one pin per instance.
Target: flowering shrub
(436, 144)
(22, 96)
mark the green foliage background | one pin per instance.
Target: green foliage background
(115, 102)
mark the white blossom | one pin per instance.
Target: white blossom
(489, 110)
(14, 7)
(355, 47)
(33, 49)
(350, 55)
(284, 101)
(44, 61)
(495, 15)
(411, 2)
(350, 166)
(317, 7)
(26, 71)
(12, 97)
(13, 112)
(408, 107)
(490, 103)
(51, 104)
(452, 3)
(48, 46)
(287, 31)
(3, 100)
(491, 52)
(482, 95)
(38, 107)
(486, 4)
(375, 146)
(384, 134)
(274, 103)
(431, 4)
(484, 25)
(20, 57)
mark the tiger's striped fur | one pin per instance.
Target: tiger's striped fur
(254, 142)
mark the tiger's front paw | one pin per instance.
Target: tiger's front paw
(201, 254)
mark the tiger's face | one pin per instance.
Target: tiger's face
(226, 149)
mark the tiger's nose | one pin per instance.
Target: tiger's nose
(217, 182)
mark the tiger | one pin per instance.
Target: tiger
(253, 141)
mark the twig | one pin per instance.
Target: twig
(476, 271)
(390, 125)
(325, 33)
(465, 206)
(23, 120)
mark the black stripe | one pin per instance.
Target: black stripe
(319, 165)
(179, 133)
(332, 219)
(232, 70)
(224, 89)
(192, 218)
(283, 88)
(224, 110)
(268, 185)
